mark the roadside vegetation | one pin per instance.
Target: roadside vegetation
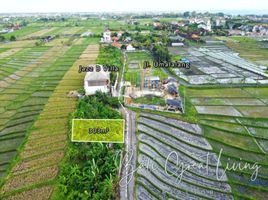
(111, 56)
(150, 100)
(90, 170)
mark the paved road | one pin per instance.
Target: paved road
(126, 185)
(127, 180)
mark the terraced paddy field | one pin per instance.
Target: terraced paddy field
(176, 161)
(34, 105)
(235, 122)
(223, 157)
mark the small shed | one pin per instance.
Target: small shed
(173, 105)
(130, 48)
(177, 44)
(172, 89)
(151, 82)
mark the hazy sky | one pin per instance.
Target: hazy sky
(8, 6)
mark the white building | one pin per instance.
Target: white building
(128, 39)
(220, 22)
(97, 81)
(106, 38)
(177, 44)
(130, 48)
(119, 34)
(205, 25)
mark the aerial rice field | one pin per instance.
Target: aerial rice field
(240, 137)
(227, 124)
(184, 143)
(35, 81)
(230, 126)
(51, 123)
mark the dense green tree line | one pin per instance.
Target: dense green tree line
(110, 55)
(3, 38)
(161, 53)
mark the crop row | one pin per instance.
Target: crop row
(28, 101)
(242, 140)
(176, 159)
(45, 144)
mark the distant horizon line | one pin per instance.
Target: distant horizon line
(231, 11)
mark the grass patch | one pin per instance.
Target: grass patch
(150, 100)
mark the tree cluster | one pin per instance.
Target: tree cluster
(90, 169)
